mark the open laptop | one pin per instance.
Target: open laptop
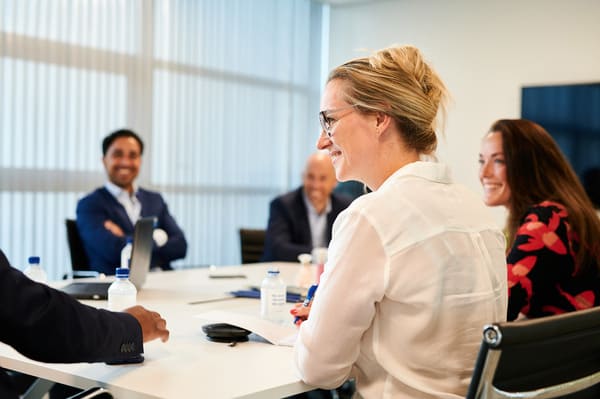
(141, 254)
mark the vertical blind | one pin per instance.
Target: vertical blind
(223, 93)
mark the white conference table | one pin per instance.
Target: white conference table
(188, 365)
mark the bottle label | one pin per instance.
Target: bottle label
(36, 273)
(272, 301)
(121, 295)
(117, 303)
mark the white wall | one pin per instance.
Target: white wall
(485, 51)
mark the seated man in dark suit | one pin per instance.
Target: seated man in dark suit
(302, 219)
(49, 326)
(108, 215)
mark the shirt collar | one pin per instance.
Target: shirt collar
(434, 171)
(312, 209)
(117, 191)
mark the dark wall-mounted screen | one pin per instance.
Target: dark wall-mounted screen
(571, 114)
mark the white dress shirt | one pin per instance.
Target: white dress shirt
(132, 205)
(415, 270)
(317, 222)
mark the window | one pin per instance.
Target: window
(224, 94)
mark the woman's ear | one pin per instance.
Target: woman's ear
(382, 121)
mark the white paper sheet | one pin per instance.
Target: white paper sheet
(276, 334)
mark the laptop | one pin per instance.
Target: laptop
(141, 254)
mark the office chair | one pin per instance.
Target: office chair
(79, 260)
(93, 393)
(549, 357)
(252, 243)
(40, 388)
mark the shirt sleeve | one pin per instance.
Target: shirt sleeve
(536, 261)
(102, 247)
(176, 245)
(328, 343)
(47, 325)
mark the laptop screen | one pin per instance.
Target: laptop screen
(141, 255)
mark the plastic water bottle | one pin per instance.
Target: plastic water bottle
(34, 271)
(305, 278)
(121, 293)
(319, 256)
(126, 253)
(272, 297)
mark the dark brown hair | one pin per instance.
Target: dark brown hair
(108, 140)
(537, 171)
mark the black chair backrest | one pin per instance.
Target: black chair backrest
(252, 243)
(551, 357)
(79, 259)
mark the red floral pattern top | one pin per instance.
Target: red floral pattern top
(541, 264)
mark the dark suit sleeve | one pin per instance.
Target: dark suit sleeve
(102, 247)
(279, 244)
(176, 246)
(47, 325)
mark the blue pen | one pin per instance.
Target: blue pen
(309, 298)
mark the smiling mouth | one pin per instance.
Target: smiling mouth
(492, 189)
(491, 185)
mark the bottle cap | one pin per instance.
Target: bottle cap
(34, 259)
(128, 239)
(273, 271)
(305, 258)
(122, 272)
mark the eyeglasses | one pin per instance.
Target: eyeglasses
(328, 122)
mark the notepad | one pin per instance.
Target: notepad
(290, 297)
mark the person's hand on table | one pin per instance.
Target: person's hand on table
(301, 310)
(300, 313)
(153, 325)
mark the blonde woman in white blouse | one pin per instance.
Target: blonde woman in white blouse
(417, 267)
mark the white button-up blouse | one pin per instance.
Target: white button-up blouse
(415, 270)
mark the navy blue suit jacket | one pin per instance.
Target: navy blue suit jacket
(288, 231)
(104, 248)
(48, 325)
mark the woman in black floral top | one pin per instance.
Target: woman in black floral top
(553, 231)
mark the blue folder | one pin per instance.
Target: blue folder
(290, 296)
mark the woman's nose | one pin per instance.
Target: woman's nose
(323, 141)
(484, 169)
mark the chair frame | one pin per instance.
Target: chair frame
(554, 335)
(79, 259)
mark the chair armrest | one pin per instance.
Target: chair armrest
(94, 392)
